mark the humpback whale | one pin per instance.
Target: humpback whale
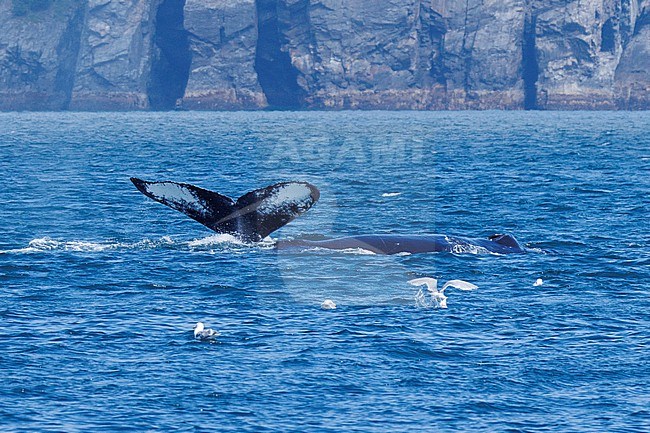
(251, 218)
(257, 214)
(396, 244)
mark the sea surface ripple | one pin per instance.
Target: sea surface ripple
(100, 287)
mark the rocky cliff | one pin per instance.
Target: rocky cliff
(324, 54)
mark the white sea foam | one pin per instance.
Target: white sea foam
(45, 244)
(391, 194)
(358, 251)
(424, 301)
(215, 239)
(228, 240)
(459, 248)
(469, 249)
(355, 251)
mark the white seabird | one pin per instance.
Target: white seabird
(200, 333)
(438, 296)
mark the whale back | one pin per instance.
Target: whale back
(252, 217)
(506, 240)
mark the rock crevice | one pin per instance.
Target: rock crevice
(530, 68)
(275, 72)
(171, 58)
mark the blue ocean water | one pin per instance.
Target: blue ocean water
(100, 287)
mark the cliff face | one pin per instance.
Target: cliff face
(222, 37)
(363, 54)
(579, 46)
(115, 55)
(632, 76)
(483, 53)
(332, 54)
(38, 55)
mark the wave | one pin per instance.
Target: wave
(48, 244)
(211, 243)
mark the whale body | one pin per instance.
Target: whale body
(257, 214)
(396, 244)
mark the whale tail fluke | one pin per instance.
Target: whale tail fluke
(252, 217)
(207, 207)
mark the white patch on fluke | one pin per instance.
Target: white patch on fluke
(292, 194)
(171, 192)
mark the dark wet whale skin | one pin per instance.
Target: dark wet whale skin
(258, 213)
(395, 244)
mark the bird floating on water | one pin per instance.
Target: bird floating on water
(438, 296)
(200, 333)
(539, 282)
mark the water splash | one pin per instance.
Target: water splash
(47, 244)
(470, 249)
(221, 241)
(213, 240)
(437, 298)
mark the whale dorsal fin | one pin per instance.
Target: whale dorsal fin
(254, 216)
(505, 239)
